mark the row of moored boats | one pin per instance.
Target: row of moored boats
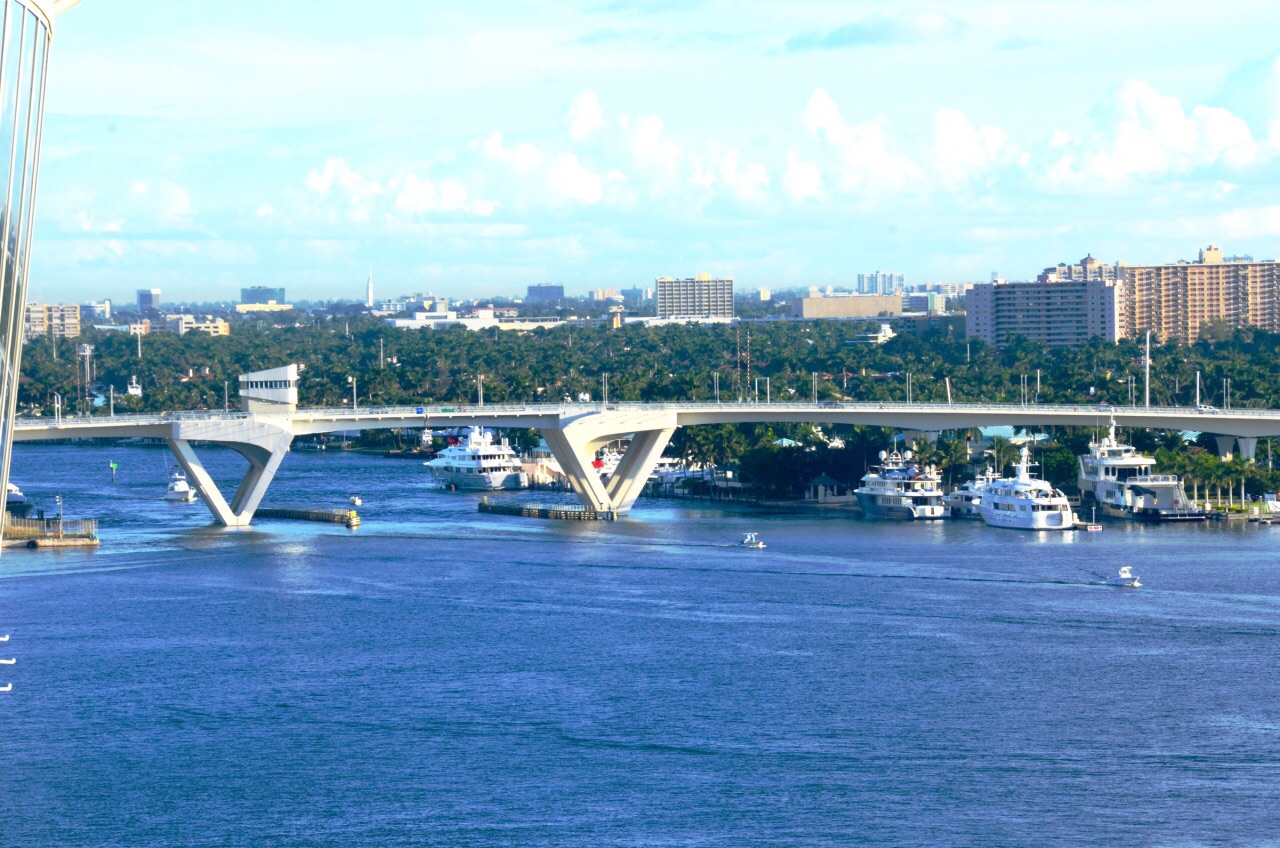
(1114, 478)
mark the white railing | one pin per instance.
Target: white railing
(425, 411)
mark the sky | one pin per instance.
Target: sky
(473, 149)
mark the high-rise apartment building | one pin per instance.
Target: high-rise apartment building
(25, 40)
(879, 282)
(61, 320)
(1177, 301)
(699, 297)
(1054, 313)
(148, 301)
(1086, 269)
(262, 294)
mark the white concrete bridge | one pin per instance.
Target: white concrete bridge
(575, 431)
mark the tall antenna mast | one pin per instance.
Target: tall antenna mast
(368, 293)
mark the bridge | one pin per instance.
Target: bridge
(262, 431)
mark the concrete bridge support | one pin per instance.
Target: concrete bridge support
(636, 465)
(1248, 446)
(264, 455)
(575, 461)
(1225, 446)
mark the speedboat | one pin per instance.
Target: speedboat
(179, 490)
(8, 687)
(1125, 578)
(751, 541)
(356, 500)
(8, 662)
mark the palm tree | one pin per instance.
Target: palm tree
(1003, 453)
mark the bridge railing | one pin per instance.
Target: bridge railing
(427, 411)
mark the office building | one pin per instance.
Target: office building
(25, 42)
(95, 312)
(148, 301)
(699, 297)
(262, 294)
(544, 293)
(269, 306)
(846, 306)
(61, 320)
(1055, 313)
(606, 294)
(1177, 301)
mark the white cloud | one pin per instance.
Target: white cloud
(417, 196)
(864, 162)
(802, 180)
(569, 179)
(168, 204)
(1153, 135)
(651, 147)
(524, 157)
(586, 118)
(961, 150)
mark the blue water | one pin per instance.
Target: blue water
(440, 677)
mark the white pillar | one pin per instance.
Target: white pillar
(627, 481)
(264, 460)
(1225, 444)
(575, 461)
(1248, 446)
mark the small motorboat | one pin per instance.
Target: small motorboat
(751, 541)
(4, 638)
(179, 490)
(6, 688)
(9, 661)
(356, 500)
(1126, 578)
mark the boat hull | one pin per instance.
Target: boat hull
(488, 482)
(1032, 521)
(872, 507)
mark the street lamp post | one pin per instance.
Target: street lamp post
(715, 381)
(352, 381)
(480, 388)
(57, 408)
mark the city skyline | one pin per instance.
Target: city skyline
(470, 154)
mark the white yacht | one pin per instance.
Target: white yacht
(1023, 502)
(179, 489)
(478, 463)
(1122, 483)
(16, 503)
(901, 490)
(751, 540)
(964, 502)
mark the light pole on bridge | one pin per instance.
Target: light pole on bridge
(352, 381)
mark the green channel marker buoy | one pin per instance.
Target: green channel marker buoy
(114, 466)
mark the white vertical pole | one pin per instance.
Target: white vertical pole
(1148, 371)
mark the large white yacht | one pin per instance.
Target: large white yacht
(964, 501)
(477, 463)
(901, 490)
(1121, 482)
(1023, 502)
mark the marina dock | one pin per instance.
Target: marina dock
(562, 512)
(348, 517)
